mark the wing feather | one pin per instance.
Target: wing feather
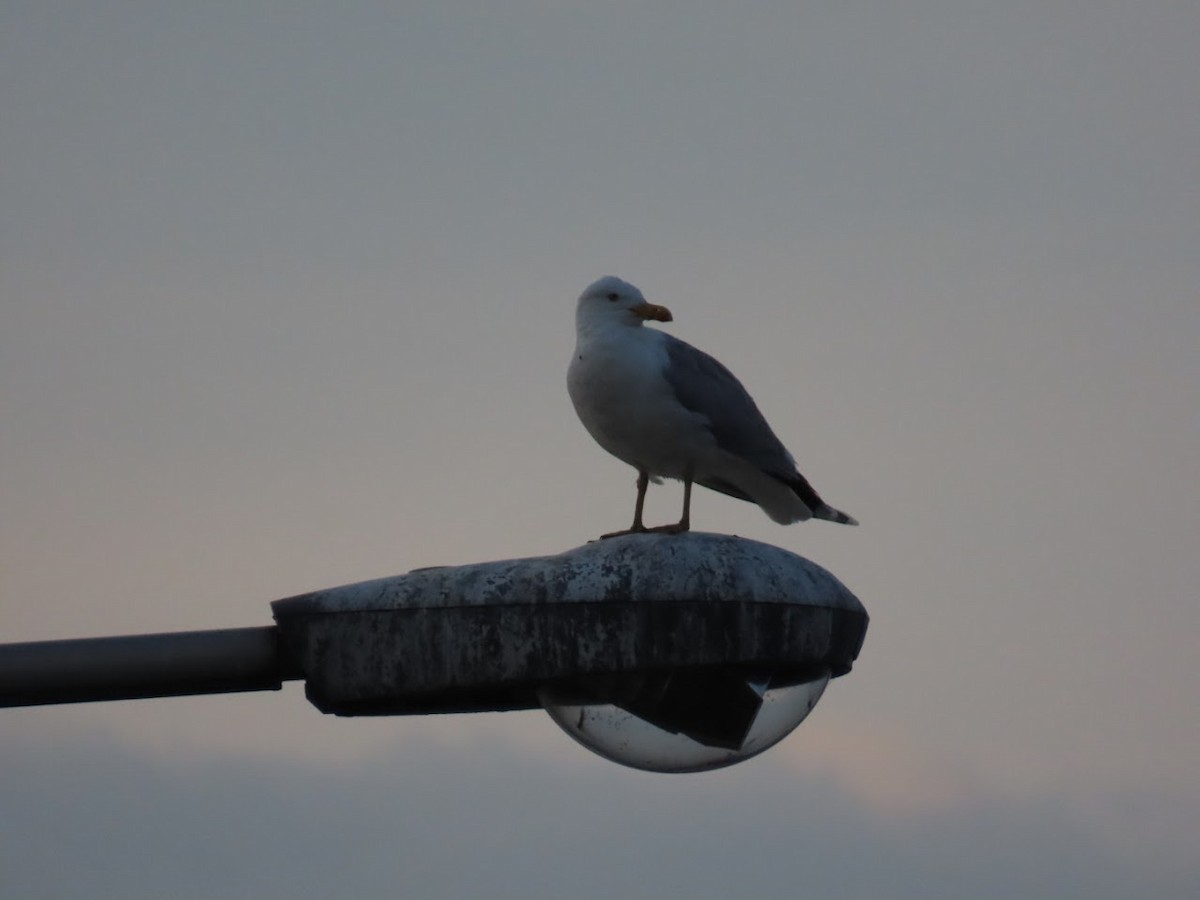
(710, 390)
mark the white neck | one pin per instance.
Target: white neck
(589, 326)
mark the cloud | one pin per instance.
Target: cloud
(887, 772)
(432, 820)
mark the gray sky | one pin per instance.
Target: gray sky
(287, 299)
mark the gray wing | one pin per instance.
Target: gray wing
(709, 389)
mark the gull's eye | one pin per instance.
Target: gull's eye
(612, 298)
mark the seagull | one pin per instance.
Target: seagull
(672, 411)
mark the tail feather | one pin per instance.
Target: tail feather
(820, 509)
(787, 513)
(830, 514)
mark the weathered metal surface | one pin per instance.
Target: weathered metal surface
(144, 665)
(486, 636)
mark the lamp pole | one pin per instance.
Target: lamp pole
(143, 665)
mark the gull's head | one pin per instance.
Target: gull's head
(611, 301)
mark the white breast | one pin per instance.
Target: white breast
(616, 383)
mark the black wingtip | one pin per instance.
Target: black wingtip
(821, 509)
(829, 514)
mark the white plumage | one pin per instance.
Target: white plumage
(670, 410)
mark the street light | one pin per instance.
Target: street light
(669, 653)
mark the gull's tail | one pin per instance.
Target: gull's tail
(820, 509)
(830, 514)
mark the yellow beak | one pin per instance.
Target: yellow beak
(649, 311)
